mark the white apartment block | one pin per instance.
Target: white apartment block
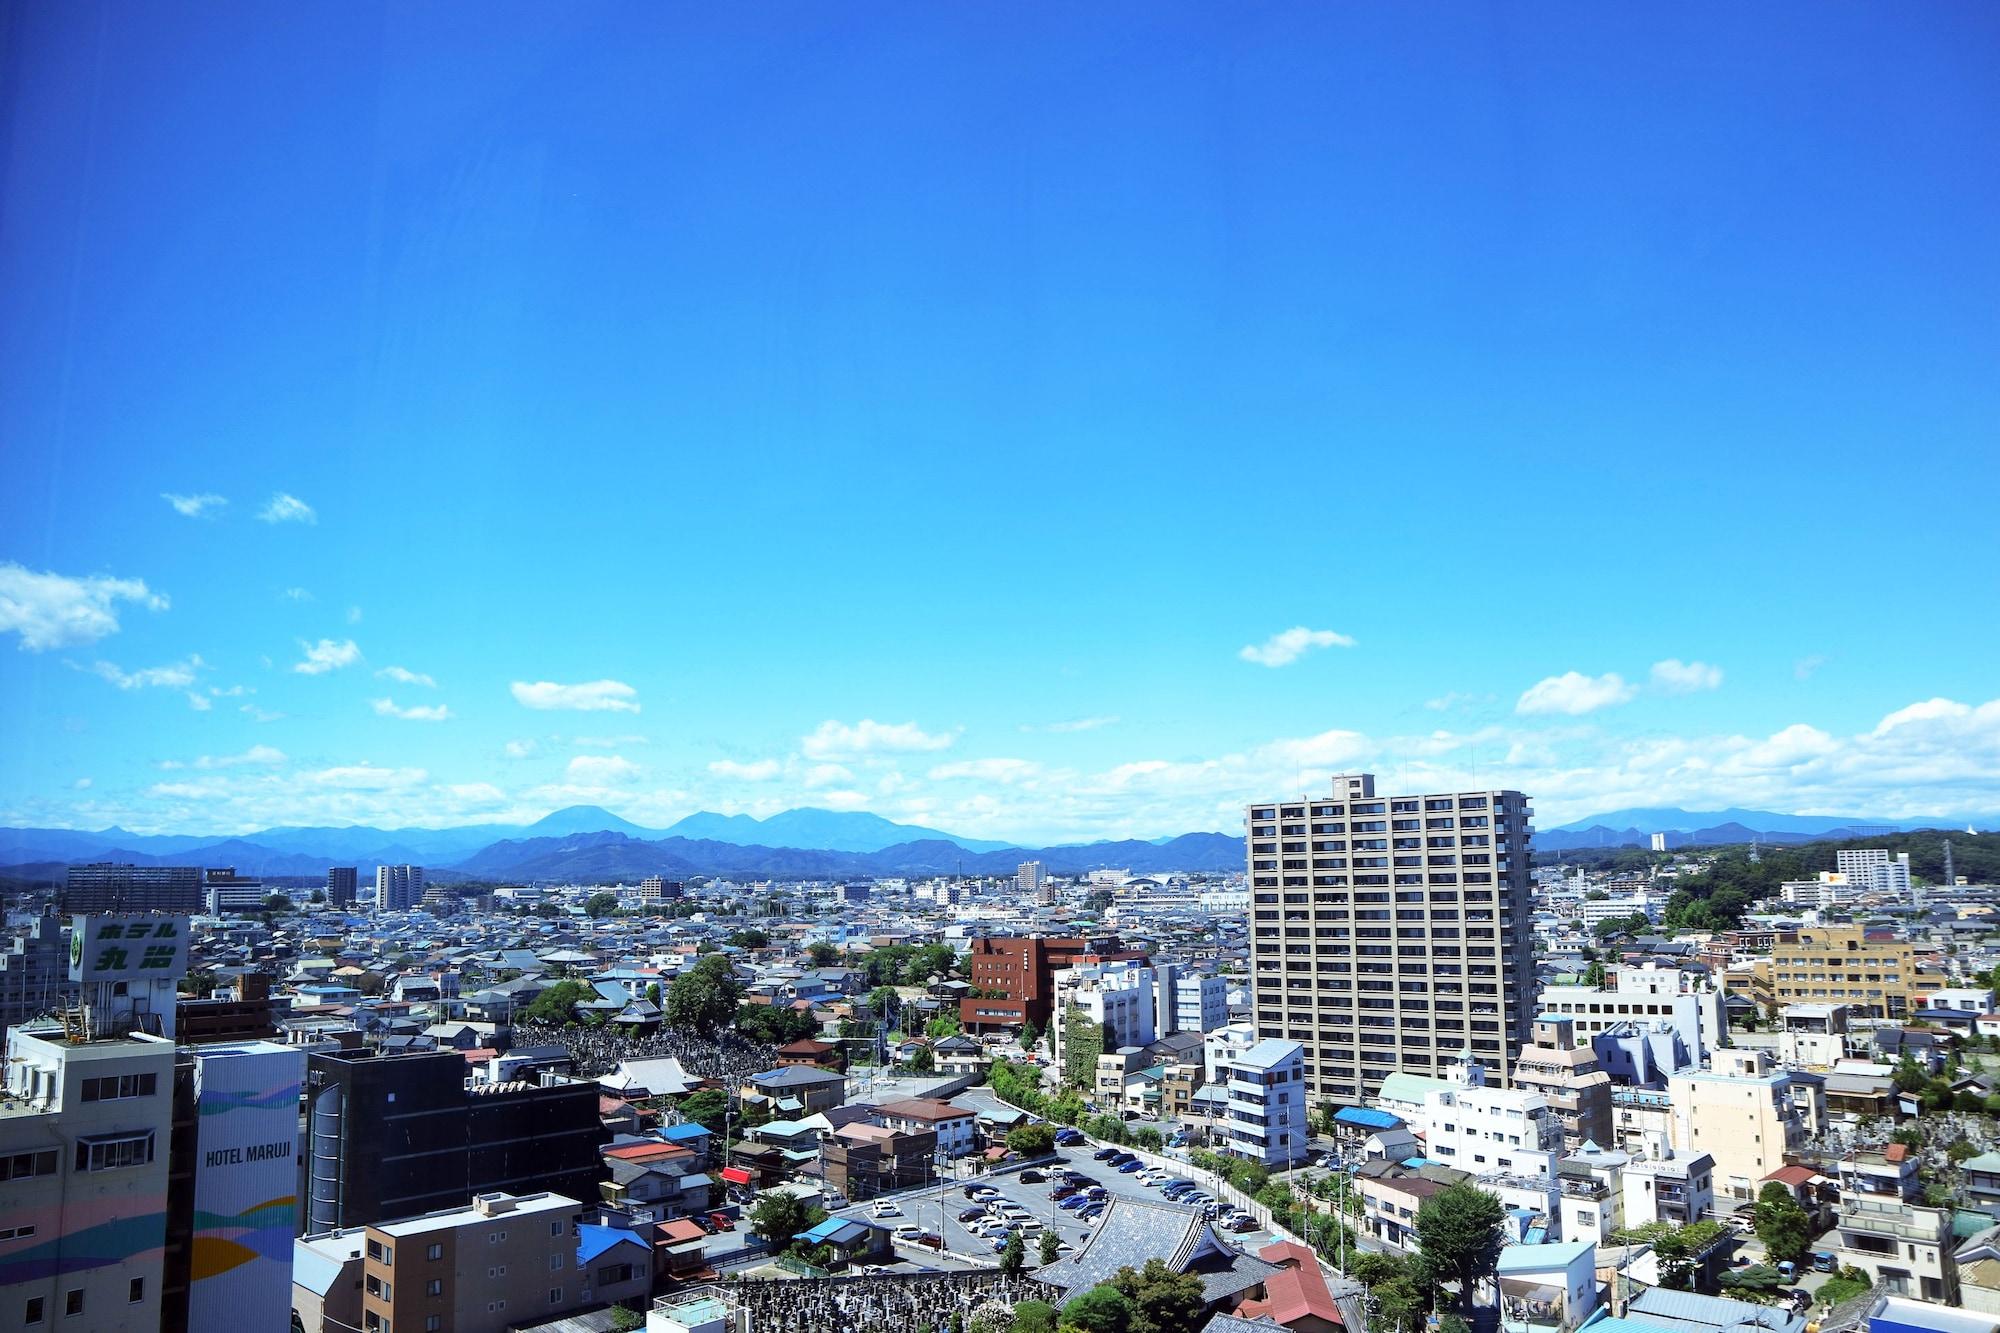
(1492, 1131)
(398, 888)
(1828, 889)
(1222, 1045)
(1390, 933)
(1647, 905)
(1120, 999)
(1032, 883)
(1265, 1120)
(1637, 994)
(1874, 870)
(1201, 1004)
(1678, 1188)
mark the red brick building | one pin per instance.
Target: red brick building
(1016, 975)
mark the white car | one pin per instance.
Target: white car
(908, 1232)
(884, 1208)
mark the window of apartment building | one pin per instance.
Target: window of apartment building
(434, 1251)
(136, 1292)
(108, 1152)
(433, 1322)
(73, 1302)
(495, 1237)
(556, 1227)
(555, 1263)
(21, 1165)
(498, 1271)
(115, 1086)
(16, 1233)
(434, 1287)
(555, 1295)
(36, 1310)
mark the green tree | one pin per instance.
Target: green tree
(1014, 1255)
(1032, 1140)
(277, 902)
(1033, 1317)
(625, 1321)
(1031, 1035)
(1148, 1137)
(1843, 1286)
(821, 954)
(774, 1024)
(317, 896)
(600, 905)
(1782, 1224)
(1400, 1285)
(1050, 1246)
(1758, 1282)
(1595, 975)
(944, 1025)
(654, 995)
(1163, 1301)
(1936, 1096)
(704, 997)
(708, 1108)
(557, 1004)
(922, 1061)
(1097, 901)
(750, 938)
(1961, 1151)
(1458, 1229)
(1100, 1309)
(777, 1217)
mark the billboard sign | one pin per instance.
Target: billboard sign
(246, 1184)
(128, 948)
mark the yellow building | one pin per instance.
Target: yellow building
(1840, 965)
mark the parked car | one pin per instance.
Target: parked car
(970, 1214)
(1104, 1154)
(1096, 1193)
(1061, 1192)
(1074, 1203)
(1033, 1177)
(908, 1232)
(1127, 1168)
(930, 1240)
(1240, 1222)
(1068, 1136)
(884, 1208)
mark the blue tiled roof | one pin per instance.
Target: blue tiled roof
(1366, 1118)
(682, 1133)
(591, 1241)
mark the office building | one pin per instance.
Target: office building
(1691, 1004)
(398, 888)
(340, 886)
(496, 1262)
(1016, 977)
(224, 891)
(1390, 933)
(1874, 870)
(34, 974)
(1267, 1104)
(391, 1136)
(654, 890)
(85, 1126)
(1874, 978)
(106, 887)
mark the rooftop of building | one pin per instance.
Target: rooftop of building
(484, 1208)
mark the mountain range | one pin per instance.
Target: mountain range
(1707, 828)
(585, 843)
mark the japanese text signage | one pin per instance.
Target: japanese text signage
(126, 948)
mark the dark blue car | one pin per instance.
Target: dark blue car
(1127, 1168)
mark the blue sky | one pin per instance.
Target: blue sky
(922, 409)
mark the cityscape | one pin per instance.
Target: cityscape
(1089, 669)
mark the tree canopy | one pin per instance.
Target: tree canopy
(774, 1024)
(600, 904)
(1782, 1224)
(557, 1004)
(1458, 1229)
(704, 997)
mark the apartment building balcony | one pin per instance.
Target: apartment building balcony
(1882, 1228)
(1591, 1188)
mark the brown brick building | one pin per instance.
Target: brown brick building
(1015, 977)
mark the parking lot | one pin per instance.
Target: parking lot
(1031, 1197)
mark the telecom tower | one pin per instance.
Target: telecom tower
(1950, 876)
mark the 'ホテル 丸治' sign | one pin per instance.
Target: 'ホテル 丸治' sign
(254, 1152)
(125, 948)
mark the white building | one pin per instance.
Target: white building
(1117, 997)
(1200, 1004)
(1828, 889)
(84, 1137)
(1223, 1045)
(1639, 904)
(1636, 994)
(398, 888)
(1265, 1120)
(1675, 1187)
(1032, 883)
(1873, 870)
(1491, 1131)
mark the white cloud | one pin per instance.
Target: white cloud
(986, 770)
(1329, 749)
(1574, 693)
(1806, 667)
(354, 615)
(81, 784)
(258, 755)
(597, 696)
(1075, 724)
(257, 714)
(366, 777)
(521, 749)
(1288, 646)
(174, 675)
(405, 676)
(838, 740)
(284, 508)
(325, 656)
(827, 775)
(842, 800)
(761, 770)
(298, 595)
(199, 702)
(415, 713)
(601, 768)
(205, 505)
(1445, 703)
(1674, 676)
(55, 611)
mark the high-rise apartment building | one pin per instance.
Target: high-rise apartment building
(107, 887)
(1391, 933)
(1032, 882)
(1266, 1116)
(656, 889)
(340, 886)
(398, 888)
(1873, 870)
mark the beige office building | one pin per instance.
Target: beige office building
(1390, 933)
(1841, 965)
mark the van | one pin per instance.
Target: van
(1824, 1262)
